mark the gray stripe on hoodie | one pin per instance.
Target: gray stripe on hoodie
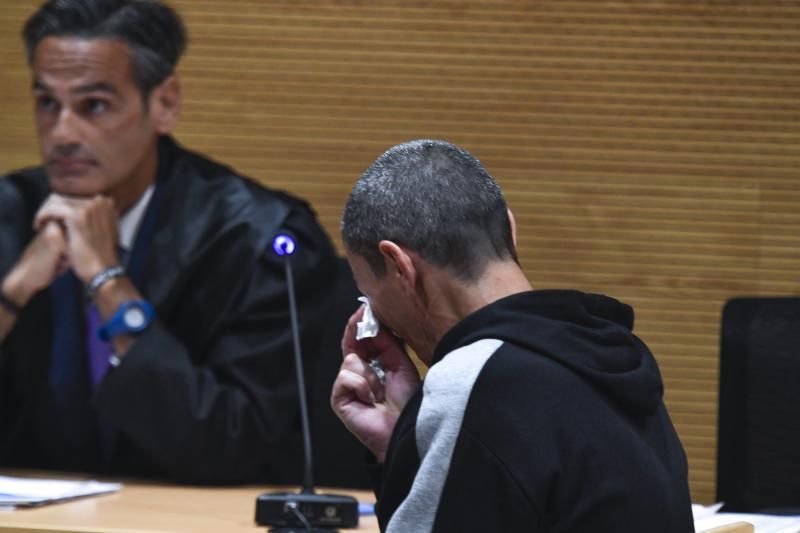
(445, 393)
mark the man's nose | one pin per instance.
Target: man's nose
(65, 130)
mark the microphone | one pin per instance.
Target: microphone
(305, 511)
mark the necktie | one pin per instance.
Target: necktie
(97, 350)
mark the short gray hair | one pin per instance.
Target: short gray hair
(434, 198)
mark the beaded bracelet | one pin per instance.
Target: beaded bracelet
(106, 275)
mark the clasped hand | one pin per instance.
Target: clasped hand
(367, 406)
(77, 233)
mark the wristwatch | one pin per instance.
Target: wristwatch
(131, 318)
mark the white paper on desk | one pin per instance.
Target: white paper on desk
(703, 511)
(763, 523)
(26, 492)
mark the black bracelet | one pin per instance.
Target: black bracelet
(9, 306)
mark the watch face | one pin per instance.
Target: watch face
(134, 318)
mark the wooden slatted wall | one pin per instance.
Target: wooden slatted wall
(648, 148)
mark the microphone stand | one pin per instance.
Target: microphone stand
(306, 510)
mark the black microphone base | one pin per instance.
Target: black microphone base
(328, 511)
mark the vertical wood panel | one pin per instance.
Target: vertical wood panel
(648, 148)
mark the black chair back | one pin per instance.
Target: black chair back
(758, 454)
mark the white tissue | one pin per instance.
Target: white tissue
(368, 327)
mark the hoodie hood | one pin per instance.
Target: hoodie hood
(589, 334)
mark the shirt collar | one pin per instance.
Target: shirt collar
(130, 221)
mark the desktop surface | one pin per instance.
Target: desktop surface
(150, 507)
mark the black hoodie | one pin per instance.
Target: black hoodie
(541, 412)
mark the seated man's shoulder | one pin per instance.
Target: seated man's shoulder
(21, 194)
(27, 184)
(560, 438)
(499, 367)
(497, 388)
(229, 192)
(214, 204)
(515, 391)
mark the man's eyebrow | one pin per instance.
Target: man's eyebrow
(99, 86)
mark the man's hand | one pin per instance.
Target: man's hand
(43, 259)
(91, 229)
(90, 225)
(368, 407)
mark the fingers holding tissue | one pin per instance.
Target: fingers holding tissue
(375, 381)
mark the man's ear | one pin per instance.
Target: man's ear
(165, 105)
(398, 263)
(513, 223)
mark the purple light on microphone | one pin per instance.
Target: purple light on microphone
(283, 244)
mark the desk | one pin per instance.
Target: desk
(143, 507)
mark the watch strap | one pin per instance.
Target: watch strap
(117, 325)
